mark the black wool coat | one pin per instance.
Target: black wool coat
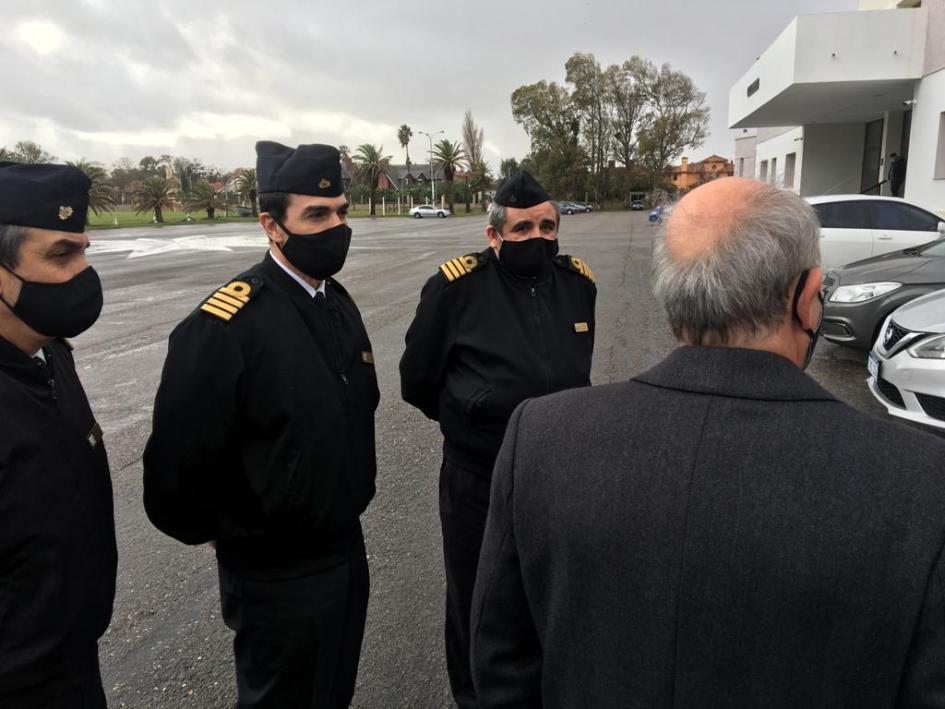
(717, 532)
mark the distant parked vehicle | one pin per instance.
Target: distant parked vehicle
(569, 208)
(428, 210)
(583, 205)
(637, 205)
(856, 227)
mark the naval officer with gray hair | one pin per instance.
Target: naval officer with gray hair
(719, 531)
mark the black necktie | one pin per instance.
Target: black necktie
(319, 298)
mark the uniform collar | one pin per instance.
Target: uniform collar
(298, 279)
(18, 364)
(286, 281)
(734, 372)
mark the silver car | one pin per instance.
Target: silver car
(907, 363)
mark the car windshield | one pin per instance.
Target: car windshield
(936, 248)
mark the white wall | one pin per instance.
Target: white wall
(833, 158)
(778, 148)
(935, 37)
(921, 185)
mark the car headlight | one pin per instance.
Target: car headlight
(929, 349)
(862, 292)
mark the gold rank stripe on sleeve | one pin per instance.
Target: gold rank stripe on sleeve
(582, 268)
(459, 267)
(228, 300)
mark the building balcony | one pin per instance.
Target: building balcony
(841, 67)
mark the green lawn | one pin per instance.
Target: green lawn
(127, 218)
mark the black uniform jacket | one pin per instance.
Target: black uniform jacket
(57, 526)
(483, 340)
(718, 532)
(263, 432)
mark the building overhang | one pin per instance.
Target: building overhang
(833, 68)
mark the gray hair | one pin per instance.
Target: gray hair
(498, 214)
(11, 238)
(739, 286)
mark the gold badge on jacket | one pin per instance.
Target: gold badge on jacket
(581, 327)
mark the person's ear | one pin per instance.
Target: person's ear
(494, 237)
(272, 229)
(809, 306)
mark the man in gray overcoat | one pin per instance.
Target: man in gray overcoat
(718, 531)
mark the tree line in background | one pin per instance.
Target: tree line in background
(155, 184)
(609, 131)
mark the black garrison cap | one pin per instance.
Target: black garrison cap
(520, 190)
(307, 169)
(54, 197)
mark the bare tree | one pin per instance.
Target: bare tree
(473, 139)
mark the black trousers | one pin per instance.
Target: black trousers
(896, 188)
(464, 505)
(298, 641)
(83, 690)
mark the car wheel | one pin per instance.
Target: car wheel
(417, 215)
(440, 215)
(568, 211)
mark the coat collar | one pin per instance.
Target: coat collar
(17, 364)
(734, 372)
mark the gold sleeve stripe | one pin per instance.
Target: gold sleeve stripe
(222, 314)
(446, 272)
(460, 266)
(235, 302)
(216, 303)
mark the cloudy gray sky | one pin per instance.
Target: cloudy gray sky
(103, 79)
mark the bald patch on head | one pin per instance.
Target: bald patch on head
(706, 215)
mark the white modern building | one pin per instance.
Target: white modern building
(856, 86)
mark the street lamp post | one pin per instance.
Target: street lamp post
(432, 174)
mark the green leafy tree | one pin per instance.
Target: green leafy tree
(123, 177)
(589, 99)
(676, 117)
(153, 194)
(203, 198)
(371, 164)
(102, 195)
(404, 134)
(478, 178)
(26, 151)
(628, 107)
(448, 157)
(507, 167)
(246, 184)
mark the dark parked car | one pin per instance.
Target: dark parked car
(859, 296)
(637, 205)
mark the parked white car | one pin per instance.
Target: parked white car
(428, 210)
(907, 363)
(857, 226)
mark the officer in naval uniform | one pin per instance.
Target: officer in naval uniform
(263, 442)
(492, 329)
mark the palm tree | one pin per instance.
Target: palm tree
(203, 198)
(371, 165)
(449, 157)
(153, 194)
(404, 134)
(102, 195)
(246, 184)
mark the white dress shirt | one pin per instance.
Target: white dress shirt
(298, 279)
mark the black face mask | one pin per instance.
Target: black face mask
(528, 258)
(60, 309)
(814, 335)
(318, 255)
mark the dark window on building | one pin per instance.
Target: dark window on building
(842, 215)
(753, 86)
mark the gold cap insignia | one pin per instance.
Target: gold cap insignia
(65, 213)
(324, 184)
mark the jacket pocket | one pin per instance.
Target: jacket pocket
(475, 406)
